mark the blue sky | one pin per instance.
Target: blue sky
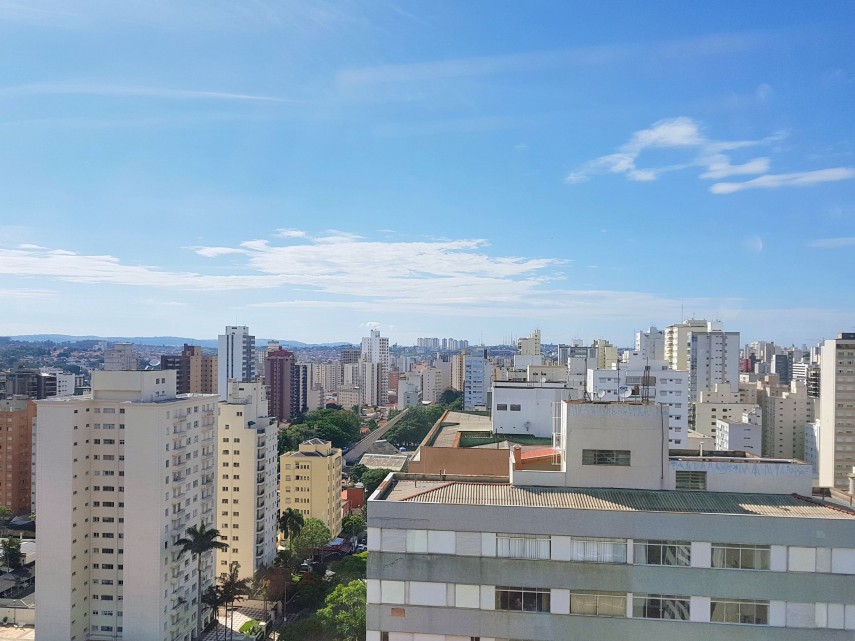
(460, 169)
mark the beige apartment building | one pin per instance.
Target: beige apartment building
(16, 453)
(837, 411)
(721, 403)
(786, 412)
(311, 482)
(121, 473)
(247, 515)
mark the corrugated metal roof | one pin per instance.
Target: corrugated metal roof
(625, 500)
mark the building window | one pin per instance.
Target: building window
(743, 557)
(502, 407)
(605, 457)
(597, 550)
(522, 599)
(739, 611)
(691, 480)
(598, 604)
(515, 408)
(523, 546)
(663, 553)
(660, 606)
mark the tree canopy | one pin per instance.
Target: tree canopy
(411, 429)
(313, 534)
(339, 426)
(372, 478)
(350, 568)
(344, 612)
(11, 550)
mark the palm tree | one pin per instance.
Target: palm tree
(290, 524)
(199, 541)
(233, 589)
(213, 598)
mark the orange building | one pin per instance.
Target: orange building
(16, 453)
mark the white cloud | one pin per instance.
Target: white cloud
(795, 179)
(290, 233)
(683, 133)
(833, 243)
(335, 264)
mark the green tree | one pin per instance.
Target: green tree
(344, 612)
(214, 599)
(233, 589)
(310, 629)
(199, 541)
(356, 472)
(290, 523)
(11, 550)
(350, 568)
(352, 525)
(449, 396)
(5, 514)
(372, 479)
(314, 534)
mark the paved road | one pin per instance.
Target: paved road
(360, 448)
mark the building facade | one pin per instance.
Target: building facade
(247, 505)
(235, 357)
(121, 474)
(375, 349)
(619, 543)
(16, 453)
(281, 379)
(837, 411)
(196, 371)
(310, 481)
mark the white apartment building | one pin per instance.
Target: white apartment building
(640, 379)
(433, 384)
(476, 380)
(786, 412)
(247, 502)
(375, 349)
(713, 358)
(743, 436)
(651, 343)
(409, 390)
(235, 357)
(121, 474)
(837, 411)
(722, 403)
(677, 342)
(121, 358)
(527, 409)
(618, 543)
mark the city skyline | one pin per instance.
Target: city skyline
(316, 170)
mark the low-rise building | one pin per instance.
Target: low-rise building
(310, 481)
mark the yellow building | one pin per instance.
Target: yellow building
(311, 482)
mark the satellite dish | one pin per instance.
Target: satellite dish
(601, 393)
(626, 393)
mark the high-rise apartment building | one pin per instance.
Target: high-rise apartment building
(16, 453)
(713, 359)
(121, 358)
(196, 371)
(476, 379)
(247, 506)
(677, 342)
(280, 378)
(375, 349)
(651, 344)
(235, 357)
(310, 481)
(121, 473)
(786, 412)
(837, 411)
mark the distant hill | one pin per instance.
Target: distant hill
(168, 341)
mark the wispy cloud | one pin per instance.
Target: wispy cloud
(754, 244)
(132, 91)
(290, 233)
(795, 179)
(332, 264)
(684, 134)
(833, 243)
(595, 56)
